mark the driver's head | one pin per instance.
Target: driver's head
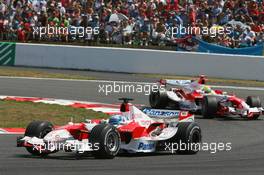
(116, 120)
(207, 89)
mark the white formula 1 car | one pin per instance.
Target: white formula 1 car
(133, 131)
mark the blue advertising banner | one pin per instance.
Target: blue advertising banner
(213, 48)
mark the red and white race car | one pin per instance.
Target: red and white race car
(133, 131)
(195, 96)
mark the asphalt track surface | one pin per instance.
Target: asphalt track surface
(245, 157)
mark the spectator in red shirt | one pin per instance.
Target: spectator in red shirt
(192, 16)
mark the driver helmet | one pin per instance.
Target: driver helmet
(117, 120)
(207, 89)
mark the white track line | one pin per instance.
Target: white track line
(239, 87)
(73, 80)
(124, 82)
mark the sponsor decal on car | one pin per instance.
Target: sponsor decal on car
(146, 146)
(161, 113)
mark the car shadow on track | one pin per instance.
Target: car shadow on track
(55, 157)
(229, 118)
(89, 156)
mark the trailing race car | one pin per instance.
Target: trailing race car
(133, 131)
(197, 97)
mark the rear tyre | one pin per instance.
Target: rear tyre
(38, 129)
(158, 100)
(105, 140)
(188, 138)
(209, 106)
(254, 102)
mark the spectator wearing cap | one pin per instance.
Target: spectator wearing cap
(216, 10)
(192, 16)
(127, 31)
(159, 32)
(145, 30)
(253, 9)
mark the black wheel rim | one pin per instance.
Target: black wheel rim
(112, 142)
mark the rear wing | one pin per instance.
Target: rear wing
(162, 114)
(175, 82)
(201, 80)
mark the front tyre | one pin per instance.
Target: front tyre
(188, 138)
(209, 106)
(105, 140)
(38, 129)
(254, 102)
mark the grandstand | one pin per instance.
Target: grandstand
(134, 22)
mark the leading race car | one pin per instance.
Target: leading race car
(197, 97)
(133, 131)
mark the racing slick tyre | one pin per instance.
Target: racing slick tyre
(209, 106)
(38, 129)
(254, 102)
(105, 140)
(187, 138)
(158, 100)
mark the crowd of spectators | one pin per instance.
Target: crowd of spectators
(142, 22)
